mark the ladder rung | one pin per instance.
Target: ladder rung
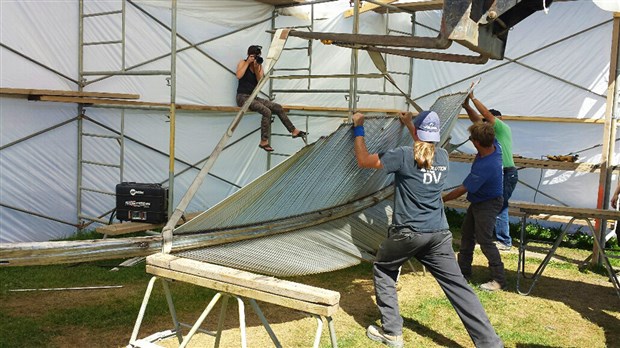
(398, 73)
(296, 48)
(97, 191)
(102, 164)
(101, 136)
(131, 72)
(95, 14)
(94, 43)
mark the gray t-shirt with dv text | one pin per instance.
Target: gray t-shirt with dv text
(417, 191)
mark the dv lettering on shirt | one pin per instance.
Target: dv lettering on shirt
(433, 175)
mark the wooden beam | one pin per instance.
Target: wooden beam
(95, 98)
(96, 101)
(366, 7)
(558, 119)
(51, 92)
(193, 107)
(190, 278)
(338, 109)
(131, 227)
(544, 212)
(609, 133)
(538, 163)
(244, 279)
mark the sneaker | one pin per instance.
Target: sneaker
(491, 286)
(502, 247)
(376, 334)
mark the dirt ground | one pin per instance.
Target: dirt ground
(567, 308)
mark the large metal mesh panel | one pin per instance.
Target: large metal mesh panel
(320, 176)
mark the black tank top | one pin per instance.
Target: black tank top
(247, 83)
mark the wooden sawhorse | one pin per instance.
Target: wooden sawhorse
(235, 283)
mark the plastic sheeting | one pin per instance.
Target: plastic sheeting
(549, 70)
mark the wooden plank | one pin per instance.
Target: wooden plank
(195, 107)
(338, 109)
(95, 101)
(131, 227)
(366, 7)
(246, 279)
(538, 163)
(587, 213)
(52, 92)
(556, 119)
(308, 307)
(545, 212)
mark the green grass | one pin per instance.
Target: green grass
(92, 310)
(16, 331)
(568, 307)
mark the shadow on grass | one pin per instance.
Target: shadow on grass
(591, 301)
(427, 332)
(529, 345)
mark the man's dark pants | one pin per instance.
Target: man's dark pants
(478, 226)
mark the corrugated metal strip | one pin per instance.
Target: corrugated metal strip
(322, 175)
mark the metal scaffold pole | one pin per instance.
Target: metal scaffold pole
(354, 56)
(173, 92)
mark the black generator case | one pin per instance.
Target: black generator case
(141, 202)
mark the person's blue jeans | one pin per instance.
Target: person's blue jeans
(502, 226)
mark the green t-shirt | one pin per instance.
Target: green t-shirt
(504, 137)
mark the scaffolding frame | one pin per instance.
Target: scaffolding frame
(81, 83)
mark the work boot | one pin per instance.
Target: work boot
(502, 247)
(376, 334)
(491, 286)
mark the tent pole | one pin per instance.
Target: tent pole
(80, 113)
(609, 136)
(354, 56)
(173, 92)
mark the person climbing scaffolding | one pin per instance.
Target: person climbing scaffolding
(249, 72)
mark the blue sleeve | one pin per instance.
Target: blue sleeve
(473, 182)
(393, 159)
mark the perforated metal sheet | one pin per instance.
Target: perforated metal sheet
(320, 176)
(322, 248)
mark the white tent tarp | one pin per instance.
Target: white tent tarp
(556, 65)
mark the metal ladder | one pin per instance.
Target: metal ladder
(308, 69)
(409, 72)
(86, 21)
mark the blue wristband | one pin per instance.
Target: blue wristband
(358, 131)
